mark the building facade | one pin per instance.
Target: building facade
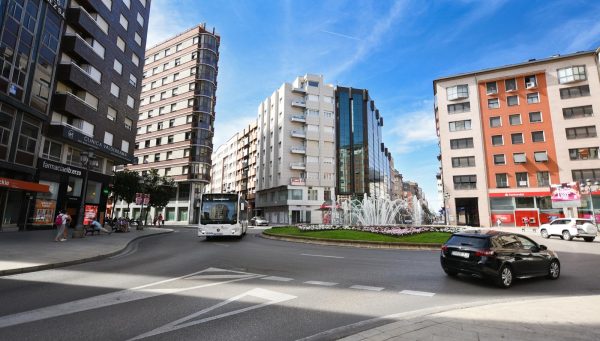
(245, 178)
(224, 168)
(296, 151)
(506, 134)
(176, 118)
(364, 163)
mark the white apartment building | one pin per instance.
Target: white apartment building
(296, 151)
(224, 165)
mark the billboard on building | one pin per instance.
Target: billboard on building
(565, 195)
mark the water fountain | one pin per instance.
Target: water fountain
(417, 212)
(372, 211)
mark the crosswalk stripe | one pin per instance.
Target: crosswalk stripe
(365, 287)
(417, 293)
(327, 284)
(279, 279)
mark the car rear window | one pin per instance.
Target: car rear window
(476, 242)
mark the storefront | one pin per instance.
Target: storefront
(15, 201)
(522, 209)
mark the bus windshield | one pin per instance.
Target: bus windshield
(218, 209)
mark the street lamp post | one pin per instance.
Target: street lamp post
(88, 160)
(590, 188)
(446, 197)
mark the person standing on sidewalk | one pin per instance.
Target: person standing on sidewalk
(62, 220)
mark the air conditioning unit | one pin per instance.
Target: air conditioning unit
(530, 85)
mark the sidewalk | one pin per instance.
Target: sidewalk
(35, 250)
(548, 319)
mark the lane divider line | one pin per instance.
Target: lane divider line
(417, 293)
(326, 284)
(365, 287)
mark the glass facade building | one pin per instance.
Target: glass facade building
(364, 163)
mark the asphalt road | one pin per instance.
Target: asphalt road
(181, 287)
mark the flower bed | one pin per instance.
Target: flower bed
(398, 230)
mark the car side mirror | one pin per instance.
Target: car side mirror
(543, 247)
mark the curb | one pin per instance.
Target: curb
(353, 243)
(76, 261)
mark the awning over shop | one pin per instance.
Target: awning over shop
(520, 194)
(24, 185)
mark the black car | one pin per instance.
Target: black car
(500, 256)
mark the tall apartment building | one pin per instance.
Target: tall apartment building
(245, 178)
(506, 134)
(176, 118)
(364, 163)
(296, 151)
(70, 75)
(224, 170)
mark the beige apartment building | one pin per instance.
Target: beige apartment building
(176, 118)
(296, 151)
(506, 134)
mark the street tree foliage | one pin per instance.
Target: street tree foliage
(125, 185)
(161, 189)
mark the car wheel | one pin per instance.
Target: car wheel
(588, 239)
(450, 273)
(506, 277)
(545, 234)
(566, 235)
(554, 270)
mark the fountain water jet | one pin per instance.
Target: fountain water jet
(372, 211)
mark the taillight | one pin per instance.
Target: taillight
(484, 253)
(444, 248)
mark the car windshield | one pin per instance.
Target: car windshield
(476, 242)
(218, 210)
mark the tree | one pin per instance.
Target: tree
(160, 188)
(126, 185)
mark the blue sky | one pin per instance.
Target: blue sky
(393, 48)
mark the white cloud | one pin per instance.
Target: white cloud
(412, 130)
(224, 129)
(163, 23)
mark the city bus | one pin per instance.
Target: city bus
(222, 214)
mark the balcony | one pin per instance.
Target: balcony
(298, 150)
(298, 165)
(298, 118)
(297, 181)
(299, 103)
(77, 45)
(299, 90)
(298, 133)
(82, 20)
(73, 74)
(67, 102)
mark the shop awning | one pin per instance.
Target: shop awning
(24, 185)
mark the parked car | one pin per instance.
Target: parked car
(259, 221)
(499, 256)
(569, 228)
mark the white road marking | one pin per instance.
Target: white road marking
(122, 296)
(364, 287)
(279, 279)
(272, 297)
(325, 256)
(417, 293)
(327, 284)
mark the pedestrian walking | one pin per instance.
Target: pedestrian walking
(161, 221)
(61, 221)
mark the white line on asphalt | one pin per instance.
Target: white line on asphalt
(327, 284)
(279, 279)
(122, 296)
(417, 293)
(364, 287)
(307, 254)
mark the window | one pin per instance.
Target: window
(163, 95)
(499, 159)
(188, 135)
(127, 3)
(461, 143)
(175, 76)
(516, 138)
(530, 82)
(163, 81)
(465, 181)
(125, 146)
(123, 22)
(118, 66)
(459, 107)
(186, 152)
(312, 193)
(108, 138)
(543, 179)
(580, 132)
(159, 126)
(493, 103)
(128, 123)
(138, 39)
(540, 156)
(512, 100)
(190, 103)
(177, 61)
(130, 102)
(519, 158)
(576, 91)
(169, 155)
(584, 174)
(111, 114)
(535, 117)
(497, 140)
(457, 92)
(140, 19)
(147, 144)
(313, 83)
(327, 99)
(193, 71)
(135, 59)
(590, 153)
(460, 162)
(132, 80)
(514, 119)
(502, 180)
(170, 139)
(522, 179)
(495, 121)
(578, 112)
(192, 86)
(533, 98)
(165, 66)
(571, 74)
(460, 125)
(171, 123)
(156, 157)
(52, 150)
(537, 136)
(152, 99)
(510, 85)
(158, 141)
(114, 90)
(491, 88)
(121, 44)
